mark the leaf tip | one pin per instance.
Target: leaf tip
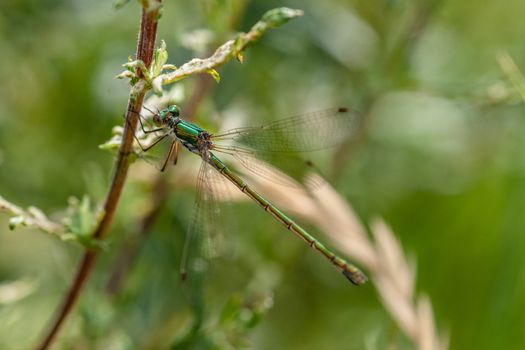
(214, 74)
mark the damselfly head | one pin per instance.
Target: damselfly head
(165, 115)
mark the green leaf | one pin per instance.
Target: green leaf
(111, 144)
(126, 74)
(118, 4)
(156, 85)
(214, 74)
(240, 57)
(81, 220)
(114, 142)
(15, 221)
(169, 66)
(280, 16)
(159, 59)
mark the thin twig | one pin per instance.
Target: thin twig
(32, 217)
(145, 46)
(232, 48)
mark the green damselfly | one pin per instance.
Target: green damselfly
(308, 132)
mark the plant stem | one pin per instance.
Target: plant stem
(145, 47)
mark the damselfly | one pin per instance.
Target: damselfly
(307, 132)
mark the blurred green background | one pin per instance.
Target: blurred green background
(441, 157)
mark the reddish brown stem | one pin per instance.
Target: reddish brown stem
(145, 47)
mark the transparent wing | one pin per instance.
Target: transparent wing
(252, 162)
(196, 229)
(307, 132)
(204, 237)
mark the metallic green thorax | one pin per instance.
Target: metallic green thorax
(187, 132)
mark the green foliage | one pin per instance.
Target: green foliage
(238, 317)
(440, 157)
(80, 223)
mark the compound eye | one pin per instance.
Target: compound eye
(174, 110)
(156, 120)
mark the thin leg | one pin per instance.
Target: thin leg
(142, 124)
(176, 157)
(174, 150)
(146, 131)
(151, 110)
(153, 144)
